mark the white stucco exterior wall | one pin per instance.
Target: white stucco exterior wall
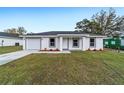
(75, 48)
(45, 43)
(24, 41)
(99, 43)
(86, 43)
(63, 43)
(57, 42)
(8, 41)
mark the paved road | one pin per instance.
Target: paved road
(8, 57)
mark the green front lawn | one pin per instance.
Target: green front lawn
(90, 67)
(8, 49)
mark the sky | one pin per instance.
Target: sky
(41, 19)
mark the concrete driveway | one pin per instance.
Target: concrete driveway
(8, 57)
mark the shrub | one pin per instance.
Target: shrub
(45, 49)
(51, 49)
(100, 49)
(57, 49)
(94, 49)
(88, 49)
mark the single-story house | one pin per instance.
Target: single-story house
(9, 39)
(62, 40)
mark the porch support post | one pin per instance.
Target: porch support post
(24, 43)
(61, 43)
(40, 43)
(84, 44)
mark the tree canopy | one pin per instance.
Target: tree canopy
(19, 30)
(103, 22)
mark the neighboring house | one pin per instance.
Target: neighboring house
(8, 39)
(62, 40)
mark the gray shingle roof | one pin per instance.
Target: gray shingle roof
(56, 33)
(3, 34)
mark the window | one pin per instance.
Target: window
(113, 42)
(106, 43)
(92, 42)
(52, 42)
(75, 42)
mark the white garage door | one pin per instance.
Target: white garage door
(33, 43)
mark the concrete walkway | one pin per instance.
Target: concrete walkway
(8, 57)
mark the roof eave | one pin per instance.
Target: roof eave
(97, 36)
(73, 35)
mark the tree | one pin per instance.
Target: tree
(83, 25)
(12, 30)
(88, 26)
(21, 30)
(105, 23)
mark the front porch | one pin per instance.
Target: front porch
(70, 43)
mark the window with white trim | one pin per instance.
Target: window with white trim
(75, 42)
(92, 42)
(52, 42)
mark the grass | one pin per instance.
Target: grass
(8, 49)
(90, 67)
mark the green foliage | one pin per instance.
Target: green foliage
(19, 30)
(11, 30)
(103, 22)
